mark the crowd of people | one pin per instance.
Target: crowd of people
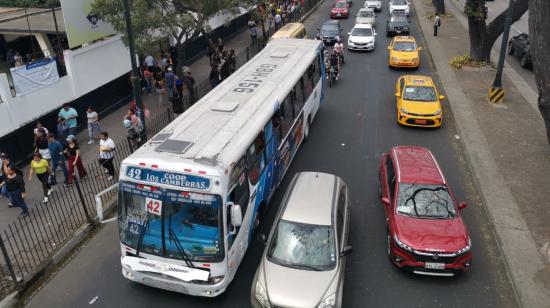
(53, 152)
(223, 62)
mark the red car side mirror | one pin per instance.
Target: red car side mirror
(462, 205)
(385, 201)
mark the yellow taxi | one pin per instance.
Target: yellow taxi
(418, 103)
(291, 30)
(404, 52)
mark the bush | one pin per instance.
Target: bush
(459, 61)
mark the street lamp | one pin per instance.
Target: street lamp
(135, 79)
(496, 93)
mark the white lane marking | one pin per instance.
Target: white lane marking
(94, 300)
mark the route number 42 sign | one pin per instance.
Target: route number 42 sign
(153, 206)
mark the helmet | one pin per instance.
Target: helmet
(127, 123)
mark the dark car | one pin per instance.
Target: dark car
(330, 30)
(397, 24)
(519, 46)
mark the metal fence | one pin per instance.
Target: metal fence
(27, 244)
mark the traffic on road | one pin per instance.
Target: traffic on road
(311, 196)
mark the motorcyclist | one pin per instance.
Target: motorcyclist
(339, 47)
(334, 62)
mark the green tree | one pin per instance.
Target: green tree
(155, 20)
(483, 35)
(30, 3)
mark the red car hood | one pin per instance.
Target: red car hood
(432, 235)
(339, 10)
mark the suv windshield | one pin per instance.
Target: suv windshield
(425, 201)
(330, 27)
(303, 246)
(365, 14)
(404, 46)
(165, 219)
(398, 2)
(419, 94)
(361, 32)
(398, 19)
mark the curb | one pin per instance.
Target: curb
(514, 239)
(314, 8)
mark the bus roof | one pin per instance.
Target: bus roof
(217, 130)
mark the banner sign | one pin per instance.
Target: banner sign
(33, 76)
(81, 24)
(168, 178)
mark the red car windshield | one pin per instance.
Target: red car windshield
(425, 201)
(341, 5)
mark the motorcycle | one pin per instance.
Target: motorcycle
(341, 56)
(331, 76)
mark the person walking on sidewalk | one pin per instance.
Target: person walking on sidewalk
(159, 88)
(15, 188)
(41, 144)
(252, 27)
(73, 151)
(437, 23)
(170, 81)
(38, 127)
(106, 154)
(61, 129)
(148, 75)
(93, 123)
(42, 169)
(189, 82)
(58, 159)
(69, 114)
(5, 164)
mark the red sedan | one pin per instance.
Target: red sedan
(339, 9)
(425, 231)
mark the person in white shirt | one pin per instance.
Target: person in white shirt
(149, 62)
(38, 127)
(106, 154)
(93, 123)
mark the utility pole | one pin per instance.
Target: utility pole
(496, 93)
(135, 76)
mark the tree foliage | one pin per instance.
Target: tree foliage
(483, 35)
(30, 3)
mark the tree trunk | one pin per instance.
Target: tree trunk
(439, 6)
(483, 36)
(539, 46)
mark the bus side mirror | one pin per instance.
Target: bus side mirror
(236, 215)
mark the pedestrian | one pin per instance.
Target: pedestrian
(214, 76)
(10, 58)
(106, 154)
(93, 123)
(189, 82)
(437, 23)
(39, 125)
(73, 152)
(58, 159)
(61, 129)
(134, 119)
(41, 144)
(18, 59)
(252, 27)
(163, 63)
(278, 21)
(149, 62)
(231, 58)
(15, 188)
(159, 88)
(170, 82)
(148, 75)
(5, 164)
(69, 114)
(42, 169)
(220, 45)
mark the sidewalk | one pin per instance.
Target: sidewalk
(507, 150)
(113, 124)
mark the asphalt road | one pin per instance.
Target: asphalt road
(355, 125)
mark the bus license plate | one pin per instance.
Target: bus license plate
(420, 121)
(432, 265)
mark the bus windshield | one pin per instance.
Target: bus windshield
(167, 221)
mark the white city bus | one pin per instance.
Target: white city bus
(191, 197)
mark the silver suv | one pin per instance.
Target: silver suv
(304, 262)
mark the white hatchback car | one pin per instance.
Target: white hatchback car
(376, 5)
(399, 7)
(304, 262)
(361, 37)
(365, 16)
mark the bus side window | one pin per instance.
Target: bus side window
(308, 80)
(287, 116)
(255, 159)
(239, 195)
(317, 71)
(299, 96)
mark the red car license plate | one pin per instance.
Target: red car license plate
(420, 121)
(432, 265)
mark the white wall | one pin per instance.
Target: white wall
(88, 68)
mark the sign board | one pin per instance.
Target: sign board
(81, 24)
(33, 76)
(168, 178)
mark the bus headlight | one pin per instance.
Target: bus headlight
(328, 302)
(261, 295)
